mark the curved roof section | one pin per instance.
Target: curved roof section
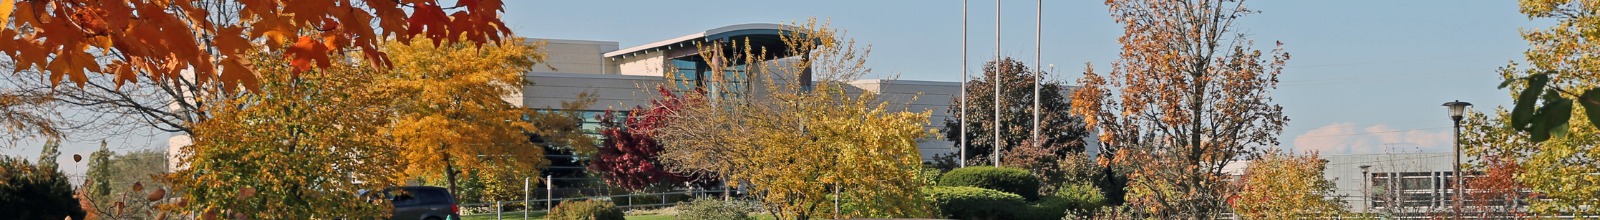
(763, 30)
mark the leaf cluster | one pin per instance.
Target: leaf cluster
(215, 39)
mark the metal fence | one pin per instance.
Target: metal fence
(551, 195)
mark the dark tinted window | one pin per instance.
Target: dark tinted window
(431, 195)
(402, 198)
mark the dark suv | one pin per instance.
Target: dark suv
(422, 202)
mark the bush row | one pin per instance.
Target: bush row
(993, 193)
(1004, 179)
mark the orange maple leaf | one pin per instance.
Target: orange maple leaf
(303, 52)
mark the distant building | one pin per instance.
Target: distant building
(623, 78)
(1407, 185)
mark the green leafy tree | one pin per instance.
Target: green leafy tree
(35, 191)
(100, 171)
(48, 154)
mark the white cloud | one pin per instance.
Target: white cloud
(1348, 138)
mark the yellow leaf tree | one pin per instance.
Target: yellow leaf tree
(455, 115)
(800, 148)
(1550, 132)
(299, 149)
(1282, 186)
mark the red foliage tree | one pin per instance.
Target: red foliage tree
(628, 151)
(1496, 193)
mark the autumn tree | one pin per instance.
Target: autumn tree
(1521, 177)
(26, 114)
(1283, 186)
(213, 38)
(1496, 192)
(301, 148)
(1187, 96)
(1561, 59)
(1550, 130)
(454, 116)
(1060, 134)
(628, 153)
(798, 146)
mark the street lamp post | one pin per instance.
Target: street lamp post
(1366, 196)
(1457, 108)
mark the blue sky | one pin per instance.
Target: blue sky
(1366, 76)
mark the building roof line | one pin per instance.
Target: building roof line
(713, 33)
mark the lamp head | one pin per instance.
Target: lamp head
(1457, 109)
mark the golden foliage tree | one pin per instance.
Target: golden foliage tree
(26, 115)
(1550, 131)
(213, 37)
(1560, 73)
(1187, 96)
(299, 149)
(1549, 177)
(454, 115)
(1282, 186)
(796, 146)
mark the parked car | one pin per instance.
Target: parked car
(422, 203)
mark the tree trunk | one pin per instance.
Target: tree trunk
(450, 174)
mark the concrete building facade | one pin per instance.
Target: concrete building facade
(623, 78)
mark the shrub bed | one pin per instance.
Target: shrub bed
(588, 209)
(714, 209)
(1005, 179)
(963, 202)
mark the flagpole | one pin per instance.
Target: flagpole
(1038, 25)
(963, 154)
(997, 84)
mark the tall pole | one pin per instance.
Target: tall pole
(964, 78)
(1038, 25)
(525, 206)
(996, 83)
(549, 187)
(1459, 189)
(1366, 200)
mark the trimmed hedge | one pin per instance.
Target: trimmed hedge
(714, 209)
(588, 209)
(963, 202)
(1005, 179)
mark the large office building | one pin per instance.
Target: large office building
(621, 78)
